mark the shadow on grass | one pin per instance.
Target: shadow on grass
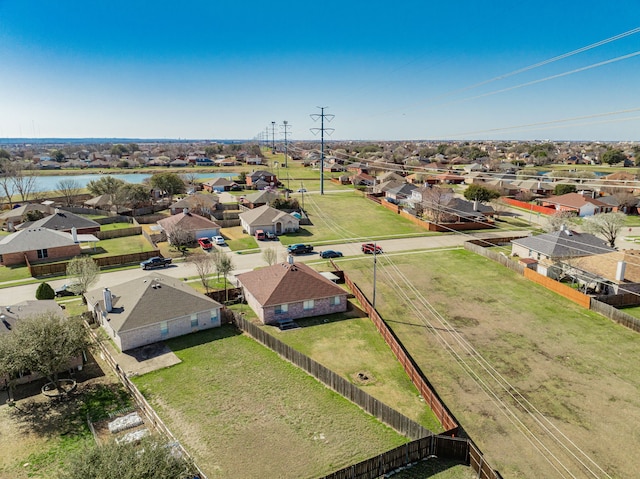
(352, 312)
(430, 467)
(202, 337)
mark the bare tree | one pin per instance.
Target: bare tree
(204, 265)
(434, 202)
(24, 182)
(499, 206)
(179, 237)
(607, 225)
(84, 271)
(626, 200)
(7, 186)
(557, 221)
(270, 255)
(68, 189)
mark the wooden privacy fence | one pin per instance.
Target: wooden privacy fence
(132, 231)
(47, 269)
(384, 413)
(616, 315)
(150, 414)
(562, 289)
(413, 371)
(431, 447)
(501, 258)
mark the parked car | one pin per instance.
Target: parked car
(300, 249)
(302, 190)
(271, 236)
(67, 290)
(331, 254)
(219, 240)
(205, 243)
(260, 236)
(155, 262)
(370, 248)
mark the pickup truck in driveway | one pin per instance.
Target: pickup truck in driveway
(155, 262)
(300, 249)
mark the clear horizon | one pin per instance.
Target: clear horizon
(408, 72)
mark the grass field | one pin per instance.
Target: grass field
(576, 368)
(245, 413)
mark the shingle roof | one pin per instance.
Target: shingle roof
(264, 215)
(573, 200)
(13, 313)
(605, 265)
(564, 244)
(63, 221)
(31, 239)
(149, 300)
(285, 283)
(197, 199)
(264, 196)
(187, 222)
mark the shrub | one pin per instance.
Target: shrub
(45, 291)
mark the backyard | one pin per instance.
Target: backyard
(524, 370)
(243, 412)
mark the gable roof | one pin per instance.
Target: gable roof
(31, 239)
(150, 300)
(564, 244)
(605, 265)
(256, 175)
(12, 314)
(219, 182)
(62, 221)
(263, 196)
(21, 210)
(285, 283)
(264, 215)
(102, 200)
(573, 200)
(197, 199)
(187, 221)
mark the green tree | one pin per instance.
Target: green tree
(224, 266)
(480, 193)
(607, 225)
(132, 195)
(107, 185)
(613, 156)
(46, 344)
(119, 150)
(84, 271)
(5, 154)
(45, 291)
(58, 156)
(563, 189)
(33, 215)
(169, 183)
(152, 458)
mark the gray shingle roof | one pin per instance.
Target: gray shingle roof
(264, 215)
(64, 221)
(565, 244)
(31, 239)
(149, 300)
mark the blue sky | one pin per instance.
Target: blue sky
(386, 70)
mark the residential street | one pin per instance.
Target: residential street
(248, 262)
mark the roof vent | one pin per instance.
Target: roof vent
(568, 232)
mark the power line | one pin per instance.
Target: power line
(322, 115)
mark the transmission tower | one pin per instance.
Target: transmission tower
(273, 137)
(322, 129)
(285, 129)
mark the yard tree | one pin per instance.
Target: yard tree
(563, 189)
(131, 195)
(480, 193)
(270, 255)
(152, 458)
(24, 182)
(557, 221)
(626, 200)
(46, 343)
(4, 154)
(68, 189)
(170, 183)
(613, 156)
(45, 291)
(204, 264)
(107, 185)
(607, 225)
(499, 206)
(58, 156)
(224, 266)
(84, 272)
(7, 186)
(179, 237)
(434, 203)
(10, 366)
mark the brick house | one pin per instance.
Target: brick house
(62, 220)
(259, 177)
(288, 291)
(151, 309)
(37, 244)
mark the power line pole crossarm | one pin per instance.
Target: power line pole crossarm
(322, 129)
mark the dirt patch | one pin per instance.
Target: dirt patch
(363, 378)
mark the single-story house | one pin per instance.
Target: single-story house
(11, 315)
(37, 244)
(218, 185)
(198, 226)
(288, 291)
(15, 216)
(151, 309)
(62, 220)
(198, 202)
(609, 273)
(577, 203)
(101, 202)
(268, 219)
(260, 198)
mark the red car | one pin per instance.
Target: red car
(370, 248)
(205, 243)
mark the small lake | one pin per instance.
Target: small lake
(49, 183)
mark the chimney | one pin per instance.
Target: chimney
(74, 234)
(290, 259)
(475, 205)
(620, 270)
(185, 211)
(108, 304)
(539, 185)
(56, 211)
(563, 227)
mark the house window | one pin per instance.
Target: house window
(42, 253)
(1, 259)
(308, 304)
(214, 316)
(335, 301)
(194, 320)
(282, 308)
(164, 329)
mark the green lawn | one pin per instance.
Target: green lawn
(123, 245)
(115, 226)
(245, 413)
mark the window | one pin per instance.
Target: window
(335, 301)
(164, 328)
(42, 253)
(214, 316)
(282, 308)
(194, 320)
(308, 304)
(1, 259)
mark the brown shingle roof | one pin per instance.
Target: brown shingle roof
(285, 283)
(187, 222)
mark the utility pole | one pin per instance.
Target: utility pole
(285, 125)
(322, 129)
(273, 137)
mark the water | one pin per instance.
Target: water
(49, 183)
